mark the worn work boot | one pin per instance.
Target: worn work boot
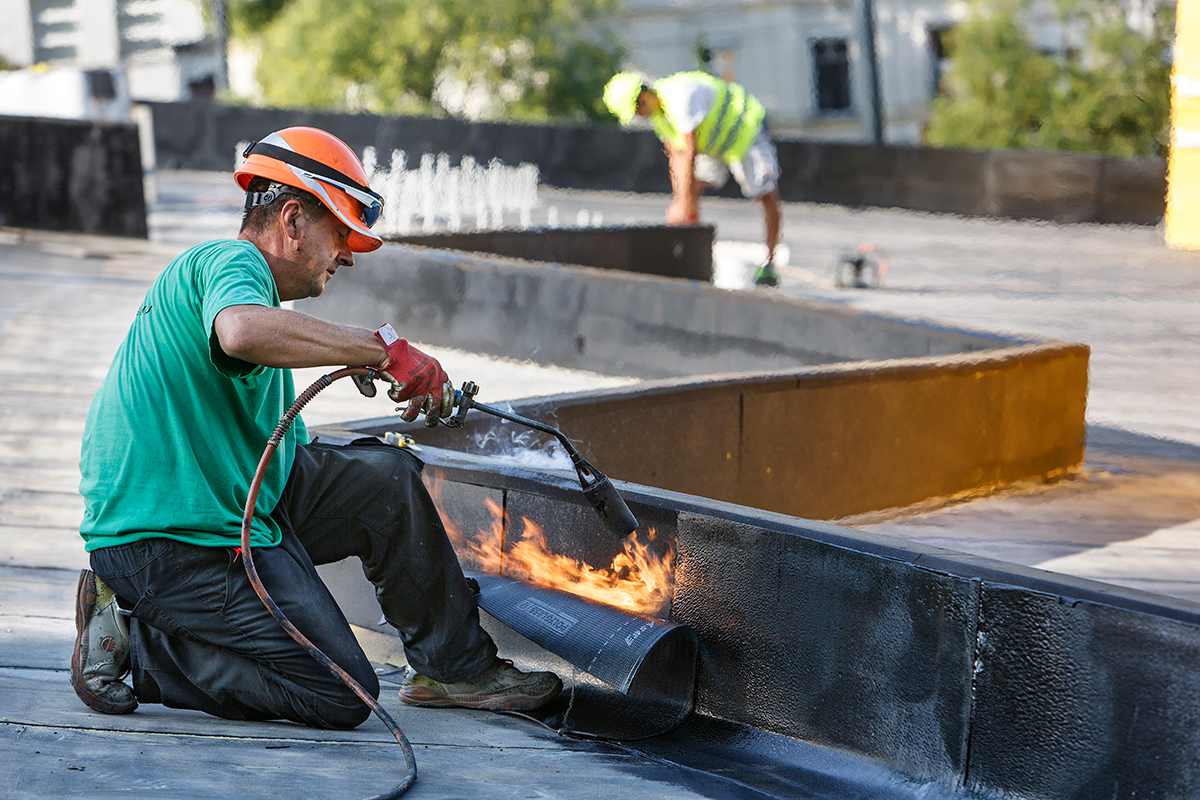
(766, 275)
(500, 687)
(101, 657)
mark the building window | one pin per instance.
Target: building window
(939, 57)
(831, 69)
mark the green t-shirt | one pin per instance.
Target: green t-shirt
(178, 427)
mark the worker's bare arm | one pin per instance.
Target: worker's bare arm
(277, 337)
(682, 160)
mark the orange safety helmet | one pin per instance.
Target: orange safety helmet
(320, 163)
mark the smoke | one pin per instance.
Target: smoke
(521, 446)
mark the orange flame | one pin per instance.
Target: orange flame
(637, 580)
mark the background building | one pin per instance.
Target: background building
(807, 60)
(164, 49)
(803, 58)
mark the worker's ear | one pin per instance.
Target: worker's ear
(291, 216)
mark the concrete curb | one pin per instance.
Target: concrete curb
(791, 406)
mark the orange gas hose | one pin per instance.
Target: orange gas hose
(285, 422)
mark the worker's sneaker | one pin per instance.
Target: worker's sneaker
(101, 657)
(766, 275)
(500, 687)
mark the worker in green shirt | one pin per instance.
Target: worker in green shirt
(169, 449)
(709, 128)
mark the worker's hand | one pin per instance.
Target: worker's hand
(682, 211)
(418, 378)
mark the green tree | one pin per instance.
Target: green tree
(490, 59)
(249, 17)
(1111, 96)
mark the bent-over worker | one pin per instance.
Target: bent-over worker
(709, 128)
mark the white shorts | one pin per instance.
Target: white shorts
(757, 172)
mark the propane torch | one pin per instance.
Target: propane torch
(597, 488)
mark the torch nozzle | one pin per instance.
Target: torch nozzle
(611, 507)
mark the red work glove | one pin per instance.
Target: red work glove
(420, 379)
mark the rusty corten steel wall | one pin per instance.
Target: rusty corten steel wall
(832, 442)
(826, 443)
(68, 175)
(978, 675)
(922, 411)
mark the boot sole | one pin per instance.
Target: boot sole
(85, 606)
(428, 698)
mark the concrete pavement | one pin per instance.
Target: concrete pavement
(1130, 518)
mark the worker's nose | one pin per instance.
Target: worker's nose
(345, 257)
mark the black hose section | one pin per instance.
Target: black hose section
(285, 422)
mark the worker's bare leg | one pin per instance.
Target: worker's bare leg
(773, 218)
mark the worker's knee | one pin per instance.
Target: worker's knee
(339, 707)
(384, 461)
(344, 717)
(770, 200)
(403, 476)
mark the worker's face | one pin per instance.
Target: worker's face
(323, 246)
(645, 104)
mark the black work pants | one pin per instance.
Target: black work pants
(202, 638)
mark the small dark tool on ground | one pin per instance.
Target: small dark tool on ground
(865, 268)
(596, 487)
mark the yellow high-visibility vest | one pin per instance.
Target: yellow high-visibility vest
(729, 127)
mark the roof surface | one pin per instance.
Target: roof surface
(1131, 518)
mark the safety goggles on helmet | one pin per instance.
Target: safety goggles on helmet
(310, 171)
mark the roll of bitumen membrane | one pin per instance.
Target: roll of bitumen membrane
(642, 670)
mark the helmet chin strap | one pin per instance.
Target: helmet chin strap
(265, 198)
